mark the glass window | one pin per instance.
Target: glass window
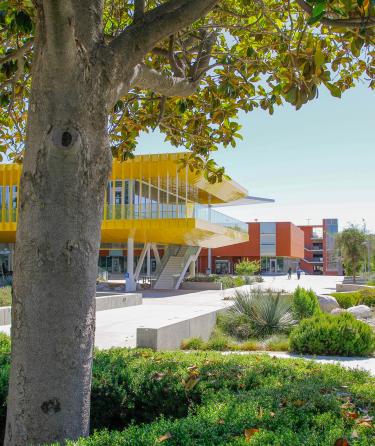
(268, 228)
(267, 250)
(268, 239)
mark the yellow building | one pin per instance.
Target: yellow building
(157, 217)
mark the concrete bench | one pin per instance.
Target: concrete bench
(169, 337)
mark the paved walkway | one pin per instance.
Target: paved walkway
(353, 363)
(117, 328)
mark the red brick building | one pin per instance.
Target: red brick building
(278, 246)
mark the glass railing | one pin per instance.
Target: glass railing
(165, 211)
(8, 215)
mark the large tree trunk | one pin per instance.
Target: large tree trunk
(65, 169)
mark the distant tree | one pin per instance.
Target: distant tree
(350, 243)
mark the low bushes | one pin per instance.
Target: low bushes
(237, 400)
(231, 281)
(236, 325)
(305, 303)
(267, 311)
(367, 297)
(206, 399)
(226, 281)
(346, 300)
(221, 342)
(364, 296)
(327, 334)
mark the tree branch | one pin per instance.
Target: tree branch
(19, 52)
(161, 83)
(139, 9)
(129, 48)
(365, 22)
(204, 55)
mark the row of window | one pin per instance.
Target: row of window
(8, 203)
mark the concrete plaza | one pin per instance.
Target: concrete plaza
(117, 327)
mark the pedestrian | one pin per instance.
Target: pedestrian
(289, 273)
(298, 272)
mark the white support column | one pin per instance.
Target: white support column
(209, 251)
(209, 261)
(141, 260)
(148, 272)
(130, 282)
(156, 253)
(192, 268)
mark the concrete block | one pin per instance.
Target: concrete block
(5, 315)
(169, 337)
(120, 300)
(200, 286)
(345, 287)
(8, 316)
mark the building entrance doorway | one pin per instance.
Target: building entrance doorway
(222, 267)
(273, 264)
(116, 265)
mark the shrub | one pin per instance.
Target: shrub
(247, 267)
(367, 296)
(236, 325)
(268, 311)
(277, 343)
(219, 342)
(327, 334)
(305, 303)
(210, 399)
(202, 278)
(193, 344)
(295, 403)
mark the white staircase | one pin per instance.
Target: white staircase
(175, 267)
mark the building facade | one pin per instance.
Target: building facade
(157, 217)
(279, 246)
(320, 255)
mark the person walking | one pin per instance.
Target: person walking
(299, 271)
(289, 273)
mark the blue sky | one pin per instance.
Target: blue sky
(316, 162)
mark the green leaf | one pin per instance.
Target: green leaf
(334, 89)
(319, 57)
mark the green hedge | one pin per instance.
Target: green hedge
(346, 300)
(290, 402)
(206, 399)
(327, 334)
(365, 296)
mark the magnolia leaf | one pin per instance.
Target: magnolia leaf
(249, 433)
(164, 437)
(341, 442)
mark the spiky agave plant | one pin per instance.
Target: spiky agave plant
(268, 311)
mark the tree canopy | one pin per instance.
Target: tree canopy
(350, 244)
(242, 55)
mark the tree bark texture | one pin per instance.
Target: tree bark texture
(66, 166)
(75, 81)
